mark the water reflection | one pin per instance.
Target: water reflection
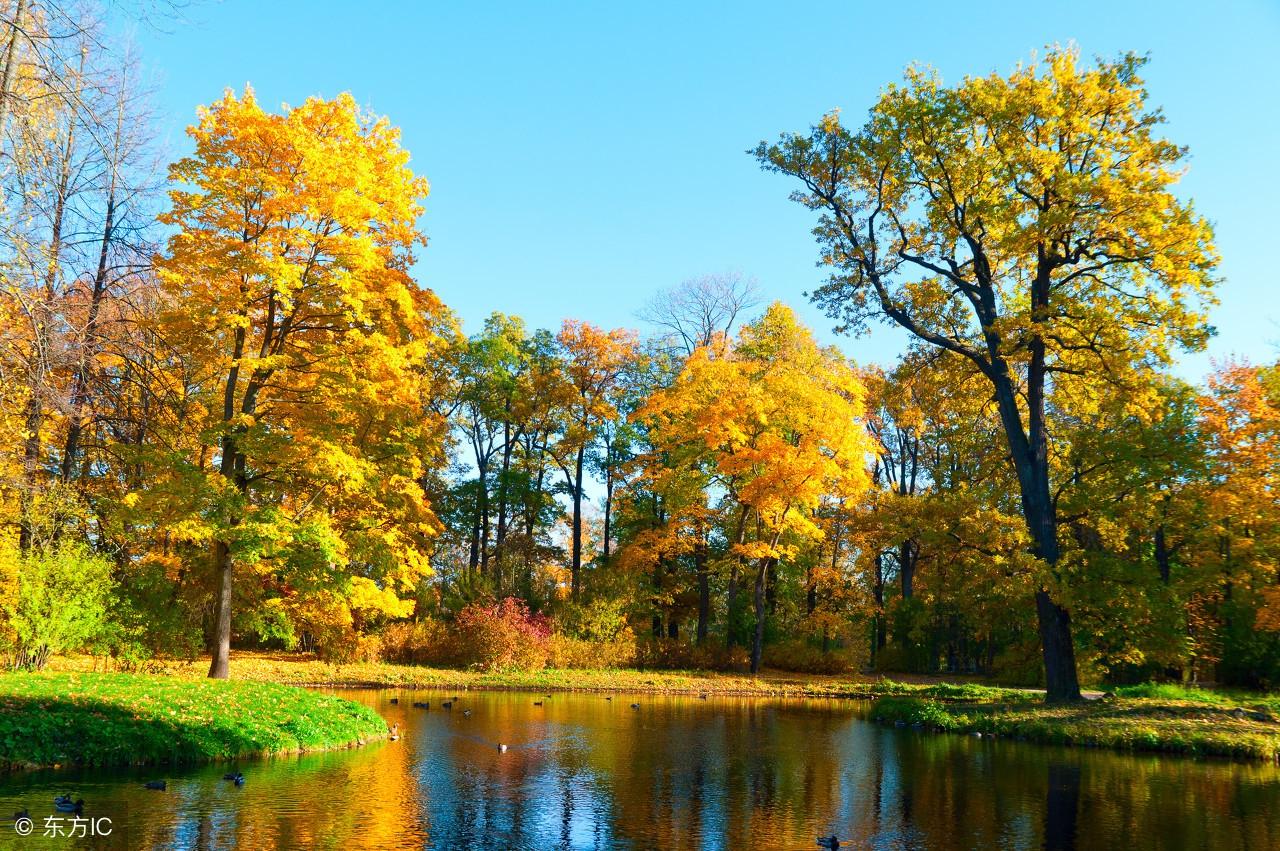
(584, 772)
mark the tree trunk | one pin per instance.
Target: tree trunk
(1030, 453)
(231, 467)
(220, 666)
(483, 511)
(757, 641)
(608, 508)
(89, 348)
(1163, 556)
(576, 569)
(10, 57)
(704, 590)
(502, 495)
(877, 591)
(907, 567)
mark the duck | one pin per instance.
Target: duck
(502, 748)
(158, 785)
(635, 706)
(830, 842)
(448, 704)
(395, 700)
(702, 696)
(64, 804)
(466, 713)
(537, 703)
(21, 814)
(608, 697)
(418, 704)
(395, 732)
(236, 778)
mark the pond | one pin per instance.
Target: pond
(583, 771)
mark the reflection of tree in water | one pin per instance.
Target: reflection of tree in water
(1062, 806)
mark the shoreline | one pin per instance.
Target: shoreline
(1166, 720)
(61, 719)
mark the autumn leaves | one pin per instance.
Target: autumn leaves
(763, 431)
(287, 290)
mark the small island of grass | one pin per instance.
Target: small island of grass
(1151, 717)
(53, 719)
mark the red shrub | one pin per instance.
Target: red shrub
(502, 636)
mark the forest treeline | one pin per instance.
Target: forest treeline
(235, 416)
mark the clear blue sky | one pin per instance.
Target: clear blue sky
(583, 156)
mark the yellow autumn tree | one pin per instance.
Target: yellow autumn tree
(777, 421)
(287, 280)
(1026, 224)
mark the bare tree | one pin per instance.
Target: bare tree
(695, 312)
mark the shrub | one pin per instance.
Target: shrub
(911, 710)
(152, 615)
(802, 656)
(502, 636)
(324, 624)
(565, 651)
(421, 642)
(1020, 664)
(673, 654)
(58, 599)
(601, 620)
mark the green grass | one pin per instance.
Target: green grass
(1190, 694)
(121, 719)
(1159, 719)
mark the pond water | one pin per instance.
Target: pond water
(581, 771)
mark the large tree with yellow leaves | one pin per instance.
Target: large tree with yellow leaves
(288, 279)
(1026, 223)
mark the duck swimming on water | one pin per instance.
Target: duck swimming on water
(64, 804)
(829, 842)
(158, 785)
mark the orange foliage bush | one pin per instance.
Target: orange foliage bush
(502, 636)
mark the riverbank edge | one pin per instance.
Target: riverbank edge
(1183, 728)
(1239, 729)
(65, 719)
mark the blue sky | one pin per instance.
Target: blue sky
(583, 156)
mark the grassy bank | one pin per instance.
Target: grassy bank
(1164, 719)
(62, 718)
(1152, 718)
(301, 670)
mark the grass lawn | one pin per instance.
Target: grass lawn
(1165, 718)
(60, 718)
